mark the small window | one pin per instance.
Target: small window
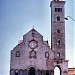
(58, 31)
(58, 54)
(32, 54)
(47, 54)
(56, 9)
(33, 34)
(17, 53)
(58, 42)
(61, 9)
(58, 18)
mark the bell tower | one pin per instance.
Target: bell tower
(58, 28)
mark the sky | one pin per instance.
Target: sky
(17, 17)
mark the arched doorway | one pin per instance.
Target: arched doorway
(31, 71)
(57, 71)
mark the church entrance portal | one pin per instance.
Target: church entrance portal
(31, 71)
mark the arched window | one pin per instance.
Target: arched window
(58, 54)
(47, 54)
(58, 9)
(33, 34)
(57, 71)
(32, 54)
(58, 31)
(58, 42)
(17, 54)
(58, 18)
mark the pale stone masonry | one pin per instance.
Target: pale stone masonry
(33, 55)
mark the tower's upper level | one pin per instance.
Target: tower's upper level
(57, 10)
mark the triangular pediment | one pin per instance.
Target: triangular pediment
(33, 31)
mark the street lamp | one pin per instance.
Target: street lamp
(69, 17)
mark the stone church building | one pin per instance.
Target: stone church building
(33, 55)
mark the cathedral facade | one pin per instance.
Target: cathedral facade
(33, 55)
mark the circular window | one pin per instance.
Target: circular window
(58, 31)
